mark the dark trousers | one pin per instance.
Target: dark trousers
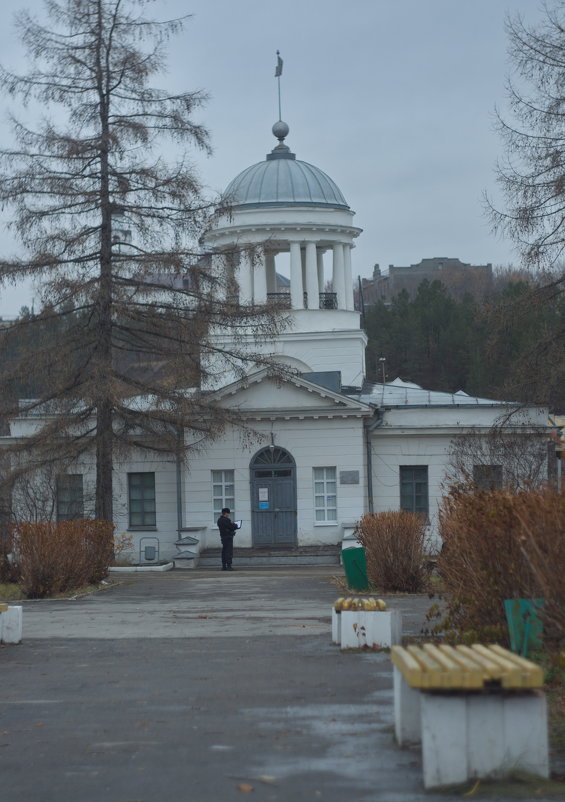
(227, 549)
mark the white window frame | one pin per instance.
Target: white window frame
(324, 484)
(223, 492)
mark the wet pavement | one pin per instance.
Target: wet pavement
(201, 686)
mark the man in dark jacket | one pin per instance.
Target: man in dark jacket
(227, 531)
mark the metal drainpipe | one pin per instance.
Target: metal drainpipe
(375, 423)
(179, 484)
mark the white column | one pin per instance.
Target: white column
(271, 272)
(296, 287)
(320, 266)
(220, 273)
(245, 277)
(260, 277)
(348, 278)
(338, 278)
(312, 287)
(303, 259)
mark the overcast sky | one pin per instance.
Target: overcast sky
(393, 99)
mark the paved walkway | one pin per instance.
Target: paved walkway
(198, 686)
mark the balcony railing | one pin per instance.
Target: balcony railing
(327, 300)
(280, 299)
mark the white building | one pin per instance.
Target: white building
(326, 447)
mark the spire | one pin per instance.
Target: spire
(280, 129)
(278, 73)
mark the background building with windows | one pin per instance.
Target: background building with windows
(319, 445)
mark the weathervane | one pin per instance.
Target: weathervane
(278, 73)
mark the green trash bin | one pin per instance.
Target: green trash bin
(524, 625)
(355, 565)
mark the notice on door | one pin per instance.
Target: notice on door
(263, 494)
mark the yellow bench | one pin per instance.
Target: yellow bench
(478, 711)
(474, 667)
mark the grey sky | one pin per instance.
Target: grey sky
(393, 99)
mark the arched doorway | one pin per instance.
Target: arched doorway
(273, 498)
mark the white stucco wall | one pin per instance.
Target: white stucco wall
(423, 436)
(320, 339)
(312, 443)
(164, 467)
(390, 451)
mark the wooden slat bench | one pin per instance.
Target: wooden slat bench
(478, 711)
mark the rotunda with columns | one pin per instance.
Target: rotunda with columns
(283, 205)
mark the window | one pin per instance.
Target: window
(487, 477)
(141, 491)
(325, 498)
(70, 497)
(414, 488)
(223, 492)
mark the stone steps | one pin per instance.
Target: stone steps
(299, 555)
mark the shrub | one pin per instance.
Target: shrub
(60, 557)
(123, 549)
(395, 544)
(9, 569)
(501, 545)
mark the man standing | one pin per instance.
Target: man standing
(227, 531)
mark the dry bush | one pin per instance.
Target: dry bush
(542, 541)
(60, 557)
(395, 547)
(501, 545)
(9, 570)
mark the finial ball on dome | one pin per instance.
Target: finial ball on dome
(280, 129)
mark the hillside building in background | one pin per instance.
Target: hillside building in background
(459, 279)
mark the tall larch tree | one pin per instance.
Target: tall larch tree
(108, 210)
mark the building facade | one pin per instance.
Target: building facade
(317, 446)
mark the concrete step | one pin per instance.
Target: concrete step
(299, 555)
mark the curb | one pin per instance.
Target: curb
(123, 569)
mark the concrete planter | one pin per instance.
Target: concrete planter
(375, 630)
(336, 626)
(11, 625)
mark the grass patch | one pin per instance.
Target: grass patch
(10, 591)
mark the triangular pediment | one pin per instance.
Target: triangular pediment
(263, 392)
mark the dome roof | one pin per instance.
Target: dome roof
(282, 179)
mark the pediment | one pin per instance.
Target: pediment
(263, 393)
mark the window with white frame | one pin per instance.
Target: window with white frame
(223, 492)
(414, 488)
(141, 494)
(70, 497)
(325, 495)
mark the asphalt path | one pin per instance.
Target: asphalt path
(201, 686)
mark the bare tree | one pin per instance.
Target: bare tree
(111, 228)
(532, 178)
(506, 456)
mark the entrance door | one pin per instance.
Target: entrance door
(273, 498)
